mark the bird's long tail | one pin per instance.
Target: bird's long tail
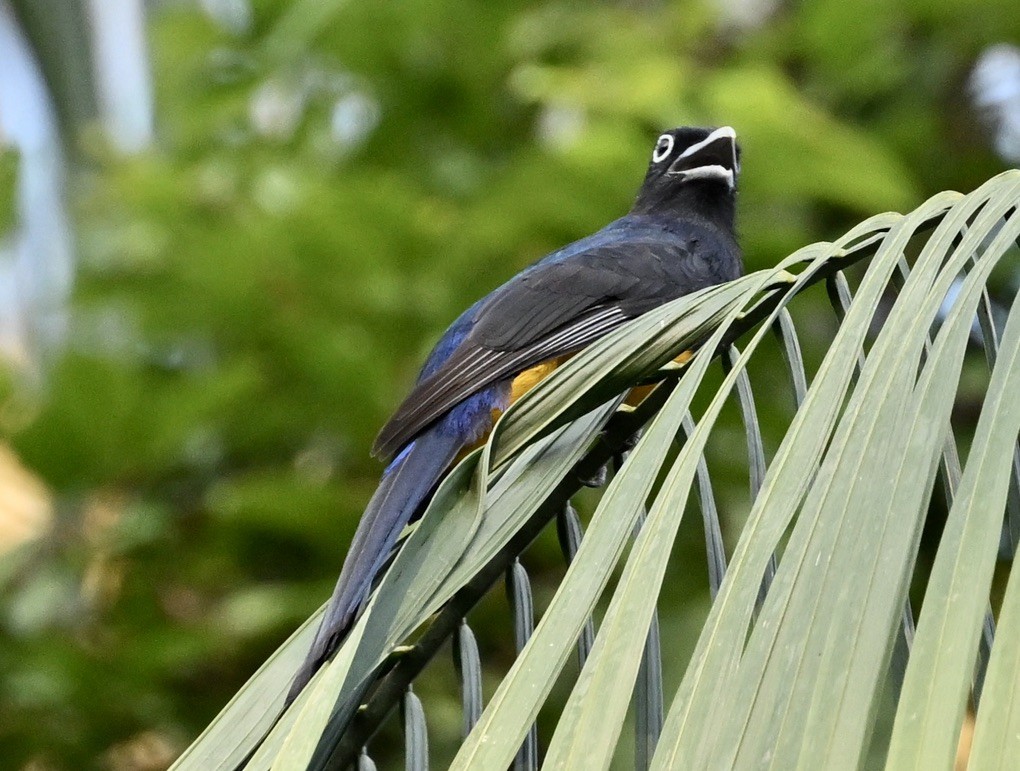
(403, 488)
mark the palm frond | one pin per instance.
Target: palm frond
(795, 654)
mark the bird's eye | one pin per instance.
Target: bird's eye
(662, 148)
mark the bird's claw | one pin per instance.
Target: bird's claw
(598, 479)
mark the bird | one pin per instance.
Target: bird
(678, 237)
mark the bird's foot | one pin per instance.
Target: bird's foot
(598, 479)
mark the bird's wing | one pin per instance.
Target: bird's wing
(551, 309)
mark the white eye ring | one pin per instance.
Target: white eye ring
(663, 148)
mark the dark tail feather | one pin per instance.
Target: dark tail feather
(401, 492)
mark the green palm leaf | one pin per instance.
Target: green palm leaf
(794, 681)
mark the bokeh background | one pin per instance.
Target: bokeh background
(230, 230)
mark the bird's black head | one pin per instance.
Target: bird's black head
(692, 171)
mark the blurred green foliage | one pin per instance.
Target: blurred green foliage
(8, 185)
(332, 184)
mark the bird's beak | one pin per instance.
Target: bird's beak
(714, 157)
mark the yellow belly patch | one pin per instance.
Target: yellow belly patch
(519, 386)
(530, 378)
(638, 394)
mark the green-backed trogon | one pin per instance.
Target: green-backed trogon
(677, 238)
